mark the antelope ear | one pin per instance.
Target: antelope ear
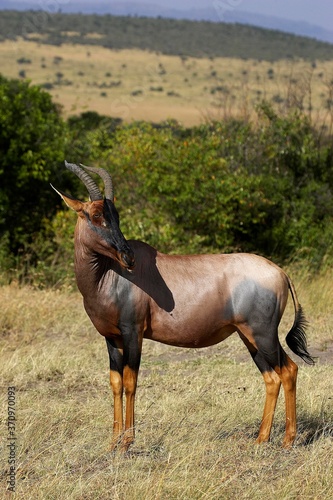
(71, 202)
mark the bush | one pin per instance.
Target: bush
(263, 187)
(224, 186)
(32, 143)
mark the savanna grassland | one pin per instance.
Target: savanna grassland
(198, 411)
(231, 176)
(134, 84)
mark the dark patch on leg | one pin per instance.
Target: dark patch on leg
(115, 356)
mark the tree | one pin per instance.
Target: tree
(32, 142)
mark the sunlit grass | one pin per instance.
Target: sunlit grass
(142, 85)
(197, 411)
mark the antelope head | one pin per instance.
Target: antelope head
(98, 219)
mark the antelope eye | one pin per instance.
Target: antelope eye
(97, 215)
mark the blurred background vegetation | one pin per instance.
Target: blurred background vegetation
(167, 36)
(261, 182)
(261, 186)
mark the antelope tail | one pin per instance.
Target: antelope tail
(296, 338)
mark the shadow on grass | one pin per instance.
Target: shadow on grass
(155, 450)
(312, 428)
(248, 432)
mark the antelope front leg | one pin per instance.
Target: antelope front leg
(117, 389)
(130, 382)
(132, 343)
(116, 382)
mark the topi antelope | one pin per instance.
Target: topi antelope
(131, 291)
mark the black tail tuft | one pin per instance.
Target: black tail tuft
(296, 338)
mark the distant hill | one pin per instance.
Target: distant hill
(167, 36)
(214, 11)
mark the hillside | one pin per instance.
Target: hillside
(145, 85)
(167, 36)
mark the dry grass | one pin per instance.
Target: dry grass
(156, 87)
(198, 411)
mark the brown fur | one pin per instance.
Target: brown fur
(131, 291)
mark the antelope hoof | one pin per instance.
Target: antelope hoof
(261, 439)
(287, 443)
(121, 444)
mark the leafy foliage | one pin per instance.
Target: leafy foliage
(32, 144)
(223, 186)
(263, 186)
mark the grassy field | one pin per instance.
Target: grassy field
(198, 411)
(134, 84)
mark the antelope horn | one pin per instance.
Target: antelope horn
(90, 184)
(109, 194)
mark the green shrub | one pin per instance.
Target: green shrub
(263, 187)
(32, 143)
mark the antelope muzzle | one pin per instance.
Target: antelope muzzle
(126, 258)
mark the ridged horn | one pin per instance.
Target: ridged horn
(90, 184)
(109, 194)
